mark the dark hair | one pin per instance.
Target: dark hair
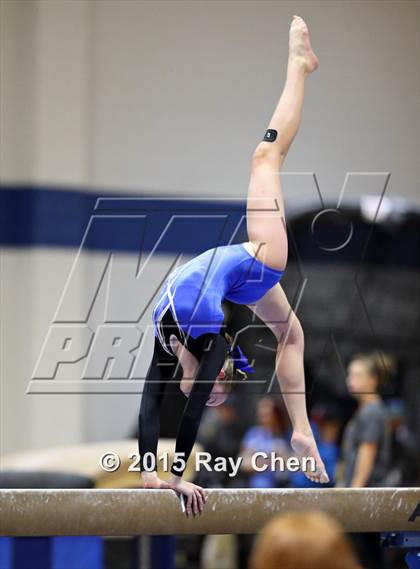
(378, 364)
(278, 410)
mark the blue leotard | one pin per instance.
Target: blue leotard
(190, 306)
(194, 291)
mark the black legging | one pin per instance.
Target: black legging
(210, 351)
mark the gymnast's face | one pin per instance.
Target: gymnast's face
(218, 394)
(189, 366)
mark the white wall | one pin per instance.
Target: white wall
(200, 80)
(170, 98)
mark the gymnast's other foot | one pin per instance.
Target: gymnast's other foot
(304, 446)
(300, 51)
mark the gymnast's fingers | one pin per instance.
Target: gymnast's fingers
(196, 510)
(202, 493)
(189, 505)
(200, 501)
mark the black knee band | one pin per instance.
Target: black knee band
(270, 135)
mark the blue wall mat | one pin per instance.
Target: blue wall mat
(80, 552)
(77, 552)
(6, 545)
(162, 552)
(31, 553)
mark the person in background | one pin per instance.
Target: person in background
(326, 426)
(220, 434)
(267, 436)
(367, 442)
(307, 540)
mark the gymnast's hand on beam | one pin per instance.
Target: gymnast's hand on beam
(152, 481)
(195, 496)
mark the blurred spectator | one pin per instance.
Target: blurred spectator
(366, 441)
(326, 426)
(309, 540)
(267, 436)
(220, 435)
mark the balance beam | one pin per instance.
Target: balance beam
(130, 512)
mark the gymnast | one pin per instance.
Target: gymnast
(188, 314)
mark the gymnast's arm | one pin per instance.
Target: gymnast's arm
(149, 418)
(213, 355)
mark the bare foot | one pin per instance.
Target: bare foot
(304, 445)
(300, 50)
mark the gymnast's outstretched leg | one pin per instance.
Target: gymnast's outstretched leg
(265, 207)
(267, 234)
